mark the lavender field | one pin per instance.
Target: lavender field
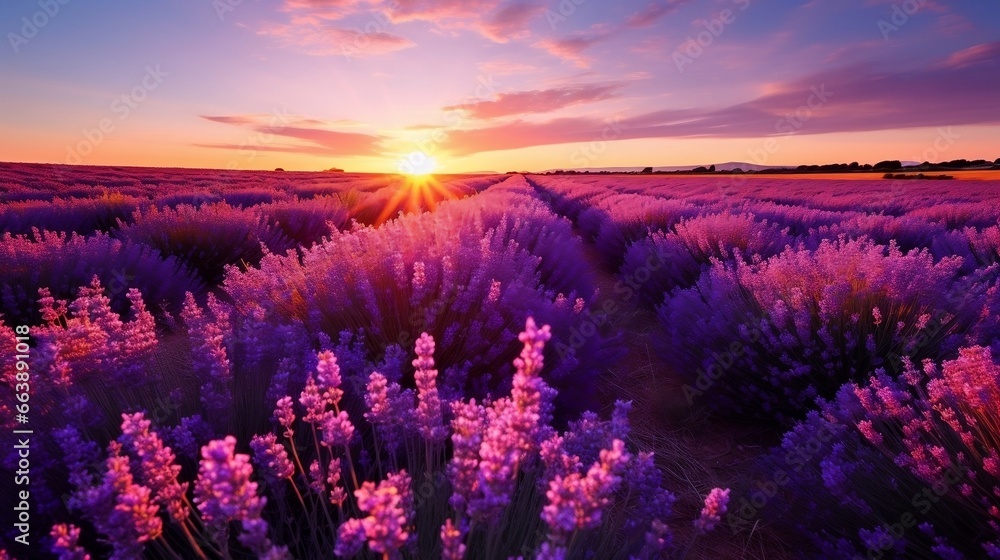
(237, 364)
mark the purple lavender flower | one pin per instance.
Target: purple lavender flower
(387, 525)
(715, 507)
(337, 494)
(224, 491)
(284, 415)
(337, 429)
(467, 437)
(65, 537)
(429, 419)
(452, 547)
(316, 482)
(513, 430)
(312, 400)
(576, 502)
(272, 457)
(350, 538)
(157, 465)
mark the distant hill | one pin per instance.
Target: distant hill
(727, 166)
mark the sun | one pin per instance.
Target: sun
(417, 163)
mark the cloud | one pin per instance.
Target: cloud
(652, 13)
(319, 141)
(510, 22)
(959, 90)
(538, 101)
(315, 36)
(571, 48)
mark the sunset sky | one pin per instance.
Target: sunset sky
(497, 85)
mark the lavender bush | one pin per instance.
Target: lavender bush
(206, 238)
(765, 339)
(910, 468)
(62, 264)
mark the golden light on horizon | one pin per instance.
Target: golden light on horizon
(417, 163)
(416, 192)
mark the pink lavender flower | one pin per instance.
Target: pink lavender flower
(272, 457)
(513, 426)
(157, 465)
(429, 419)
(548, 551)
(337, 429)
(466, 438)
(452, 547)
(312, 400)
(224, 491)
(65, 538)
(120, 508)
(576, 502)
(284, 415)
(328, 378)
(715, 507)
(337, 494)
(316, 478)
(350, 538)
(387, 525)
(389, 409)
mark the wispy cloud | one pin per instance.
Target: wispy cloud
(319, 140)
(958, 90)
(537, 101)
(319, 37)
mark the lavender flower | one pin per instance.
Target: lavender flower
(157, 465)
(272, 457)
(337, 494)
(337, 429)
(452, 547)
(513, 428)
(285, 416)
(577, 502)
(387, 525)
(224, 491)
(715, 507)
(350, 538)
(429, 419)
(65, 542)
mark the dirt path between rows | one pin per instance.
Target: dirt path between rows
(697, 450)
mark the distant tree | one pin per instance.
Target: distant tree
(889, 164)
(711, 168)
(700, 169)
(278, 169)
(647, 169)
(854, 166)
(997, 162)
(737, 170)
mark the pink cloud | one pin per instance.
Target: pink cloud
(318, 38)
(959, 91)
(510, 22)
(653, 13)
(571, 49)
(538, 101)
(320, 141)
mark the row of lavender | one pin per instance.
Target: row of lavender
(168, 241)
(860, 316)
(145, 419)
